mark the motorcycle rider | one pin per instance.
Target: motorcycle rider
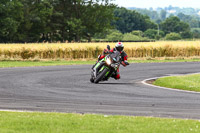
(118, 47)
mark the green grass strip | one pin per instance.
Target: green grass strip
(26, 122)
(41, 63)
(187, 82)
(56, 63)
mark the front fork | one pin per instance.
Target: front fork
(97, 68)
(109, 73)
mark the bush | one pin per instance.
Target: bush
(129, 37)
(186, 34)
(196, 32)
(173, 36)
(115, 35)
(151, 33)
(161, 33)
(137, 33)
(158, 37)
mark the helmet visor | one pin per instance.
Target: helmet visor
(119, 48)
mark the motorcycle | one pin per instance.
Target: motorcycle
(106, 67)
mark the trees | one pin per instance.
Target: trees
(53, 20)
(80, 19)
(151, 13)
(196, 32)
(127, 21)
(173, 24)
(36, 19)
(10, 17)
(163, 14)
(76, 20)
(193, 21)
(97, 17)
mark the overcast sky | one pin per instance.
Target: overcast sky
(157, 3)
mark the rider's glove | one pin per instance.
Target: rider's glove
(105, 51)
(125, 63)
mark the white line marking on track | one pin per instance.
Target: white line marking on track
(145, 82)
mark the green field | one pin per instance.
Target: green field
(41, 63)
(27, 122)
(186, 82)
(62, 62)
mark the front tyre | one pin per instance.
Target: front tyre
(100, 76)
(91, 80)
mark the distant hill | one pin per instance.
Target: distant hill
(188, 15)
(173, 10)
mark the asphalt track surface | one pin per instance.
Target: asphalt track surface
(68, 89)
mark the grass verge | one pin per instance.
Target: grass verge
(187, 82)
(23, 122)
(20, 63)
(41, 63)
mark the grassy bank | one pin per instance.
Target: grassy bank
(82, 62)
(18, 122)
(187, 82)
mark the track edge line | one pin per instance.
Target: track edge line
(172, 89)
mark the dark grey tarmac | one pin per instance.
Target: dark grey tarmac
(68, 89)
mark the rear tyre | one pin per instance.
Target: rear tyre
(100, 76)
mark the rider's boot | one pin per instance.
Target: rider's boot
(115, 75)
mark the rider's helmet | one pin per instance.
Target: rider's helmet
(119, 46)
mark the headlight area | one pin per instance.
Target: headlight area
(114, 65)
(108, 60)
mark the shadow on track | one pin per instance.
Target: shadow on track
(117, 83)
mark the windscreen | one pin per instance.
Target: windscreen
(115, 56)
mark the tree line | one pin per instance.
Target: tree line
(131, 25)
(53, 20)
(81, 20)
(190, 16)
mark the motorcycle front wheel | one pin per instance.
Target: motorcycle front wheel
(91, 80)
(100, 76)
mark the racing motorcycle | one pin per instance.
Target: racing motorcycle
(106, 67)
